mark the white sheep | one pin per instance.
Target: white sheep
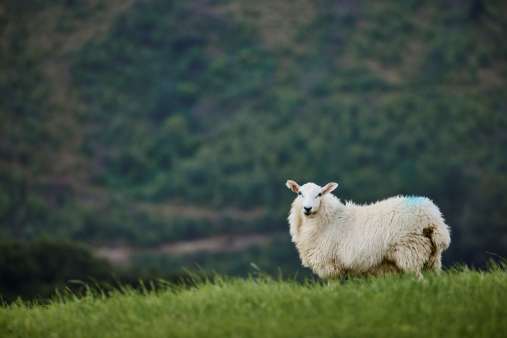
(399, 234)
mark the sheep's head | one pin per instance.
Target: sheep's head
(310, 195)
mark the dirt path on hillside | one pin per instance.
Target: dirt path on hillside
(120, 255)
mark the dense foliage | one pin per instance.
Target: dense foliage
(40, 270)
(37, 269)
(151, 121)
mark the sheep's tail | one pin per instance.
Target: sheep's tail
(440, 239)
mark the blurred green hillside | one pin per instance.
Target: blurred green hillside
(144, 122)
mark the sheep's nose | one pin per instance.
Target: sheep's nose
(308, 209)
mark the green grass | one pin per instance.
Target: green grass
(454, 304)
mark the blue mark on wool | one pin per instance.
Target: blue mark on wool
(414, 200)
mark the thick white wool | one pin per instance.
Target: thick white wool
(397, 234)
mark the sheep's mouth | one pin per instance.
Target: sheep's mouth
(309, 213)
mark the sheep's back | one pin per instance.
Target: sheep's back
(373, 229)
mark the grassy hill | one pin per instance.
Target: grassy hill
(454, 304)
(146, 122)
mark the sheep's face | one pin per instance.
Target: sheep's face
(310, 195)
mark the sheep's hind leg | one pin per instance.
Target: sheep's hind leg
(411, 254)
(435, 262)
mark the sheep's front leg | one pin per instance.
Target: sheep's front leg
(329, 270)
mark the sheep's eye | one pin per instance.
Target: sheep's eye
(320, 194)
(300, 194)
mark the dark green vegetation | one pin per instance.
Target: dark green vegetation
(454, 304)
(38, 270)
(142, 122)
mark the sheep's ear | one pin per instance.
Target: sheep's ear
(292, 185)
(331, 186)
